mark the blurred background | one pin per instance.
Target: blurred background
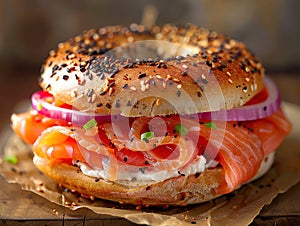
(30, 29)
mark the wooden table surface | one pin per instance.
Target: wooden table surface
(26, 208)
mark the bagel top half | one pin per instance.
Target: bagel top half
(134, 71)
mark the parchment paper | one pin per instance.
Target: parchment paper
(237, 208)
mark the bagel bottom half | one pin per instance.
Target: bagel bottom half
(175, 191)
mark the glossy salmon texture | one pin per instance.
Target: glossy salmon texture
(239, 147)
(29, 125)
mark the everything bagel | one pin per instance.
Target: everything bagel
(170, 115)
(82, 72)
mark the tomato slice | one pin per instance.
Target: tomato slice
(103, 137)
(166, 151)
(134, 158)
(258, 98)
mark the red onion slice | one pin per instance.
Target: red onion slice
(244, 113)
(42, 102)
(249, 112)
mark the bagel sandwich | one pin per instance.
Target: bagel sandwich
(167, 115)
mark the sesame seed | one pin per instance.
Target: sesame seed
(82, 69)
(184, 66)
(228, 73)
(153, 83)
(52, 53)
(106, 88)
(242, 65)
(147, 86)
(65, 77)
(184, 73)
(143, 88)
(179, 86)
(48, 87)
(204, 81)
(176, 80)
(92, 98)
(133, 88)
(70, 69)
(168, 77)
(71, 56)
(115, 71)
(158, 76)
(101, 76)
(230, 81)
(55, 67)
(131, 65)
(142, 75)
(157, 102)
(111, 90)
(96, 36)
(202, 88)
(90, 92)
(179, 57)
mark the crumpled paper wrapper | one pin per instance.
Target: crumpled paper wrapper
(237, 208)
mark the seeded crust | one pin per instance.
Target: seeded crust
(94, 74)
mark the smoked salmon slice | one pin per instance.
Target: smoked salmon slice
(239, 147)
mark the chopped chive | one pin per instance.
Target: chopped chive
(211, 125)
(90, 124)
(146, 136)
(39, 106)
(181, 129)
(12, 159)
